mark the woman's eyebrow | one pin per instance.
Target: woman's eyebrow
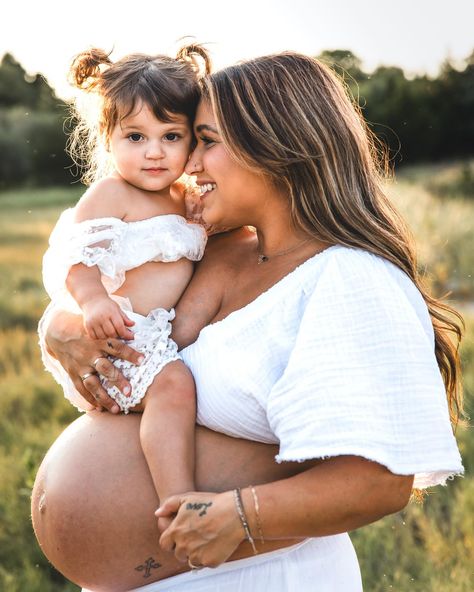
(204, 126)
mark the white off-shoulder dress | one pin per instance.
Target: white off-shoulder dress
(116, 247)
(337, 358)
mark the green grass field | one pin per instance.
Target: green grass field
(426, 548)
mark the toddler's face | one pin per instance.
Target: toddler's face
(149, 153)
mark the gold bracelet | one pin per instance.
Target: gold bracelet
(243, 518)
(257, 513)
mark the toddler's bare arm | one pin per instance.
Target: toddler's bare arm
(102, 316)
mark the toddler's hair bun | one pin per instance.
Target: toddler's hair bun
(85, 71)
(197, 56)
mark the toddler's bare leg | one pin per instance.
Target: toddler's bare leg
(167, 430)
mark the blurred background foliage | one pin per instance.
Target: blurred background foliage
(428, 125)
(32, 137)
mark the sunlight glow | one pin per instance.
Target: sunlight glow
(417, 36)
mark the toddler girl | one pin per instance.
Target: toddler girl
(123, 256)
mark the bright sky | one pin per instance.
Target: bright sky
(414, 34)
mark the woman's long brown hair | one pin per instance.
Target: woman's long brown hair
(289, 117)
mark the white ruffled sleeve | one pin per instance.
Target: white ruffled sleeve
(362, 378)
(92, 242)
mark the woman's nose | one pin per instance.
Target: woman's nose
(194, 164)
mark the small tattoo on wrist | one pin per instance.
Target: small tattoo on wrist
(201, 507)
(149, 564)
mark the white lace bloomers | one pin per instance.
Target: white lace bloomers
(116, 247)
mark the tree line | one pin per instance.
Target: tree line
(32, 139)
(420, 119)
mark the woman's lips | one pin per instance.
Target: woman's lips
(206, 188)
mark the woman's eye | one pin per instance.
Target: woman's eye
(206, 141)
(172, 137)
(135, 137)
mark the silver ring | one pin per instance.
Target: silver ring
(87, 374)
(96, 360)
(194, 567)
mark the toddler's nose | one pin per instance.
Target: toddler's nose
(154, 150)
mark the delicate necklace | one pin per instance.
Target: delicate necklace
(262, 258)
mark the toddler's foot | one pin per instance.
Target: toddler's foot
(163, 523)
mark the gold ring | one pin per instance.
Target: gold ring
(194, 567)
(87, 374)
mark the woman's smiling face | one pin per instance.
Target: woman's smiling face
(232, 195)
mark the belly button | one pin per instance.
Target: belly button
(42, 503)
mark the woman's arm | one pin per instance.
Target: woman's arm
(340, 494)
(337, 495)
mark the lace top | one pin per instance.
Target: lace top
(336, 358)
(116, 246)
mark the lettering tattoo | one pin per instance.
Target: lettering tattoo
(201, 508)
(149, 564)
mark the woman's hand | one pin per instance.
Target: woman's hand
(82, 356)
(206, 528)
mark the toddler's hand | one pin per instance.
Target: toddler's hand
(194, 207)
(104, 318)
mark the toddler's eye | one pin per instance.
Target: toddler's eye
(135, 137)
(172, 137)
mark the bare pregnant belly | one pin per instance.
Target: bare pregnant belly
(93, 500)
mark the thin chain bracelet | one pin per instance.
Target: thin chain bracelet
(243, 518)
(257, 513)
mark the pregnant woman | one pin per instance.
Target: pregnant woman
(310, 338)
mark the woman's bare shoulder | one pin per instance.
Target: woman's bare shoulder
(228, 248)
(225, 254)
(222, 255)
